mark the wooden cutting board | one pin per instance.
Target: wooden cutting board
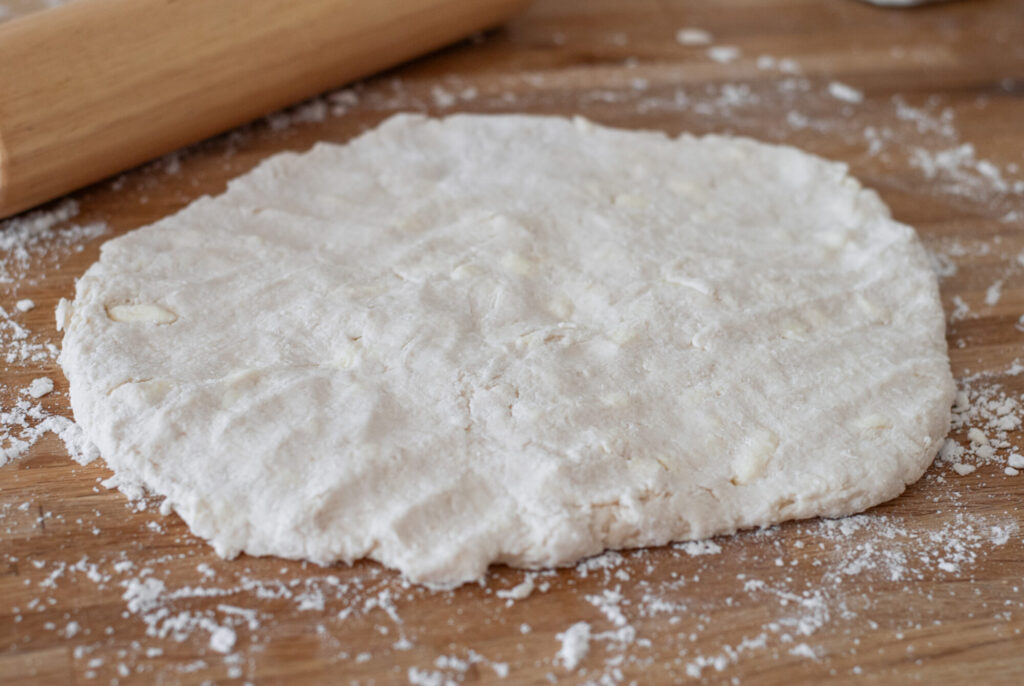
(929, 587)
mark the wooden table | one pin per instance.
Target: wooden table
(929, 587)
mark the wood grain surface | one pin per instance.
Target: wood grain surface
(928, 588)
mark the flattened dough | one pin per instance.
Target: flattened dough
(512, 339)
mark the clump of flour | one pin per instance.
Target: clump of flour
(29, 245)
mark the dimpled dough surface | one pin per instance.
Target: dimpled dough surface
(518, 339)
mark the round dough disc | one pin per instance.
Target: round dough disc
(516, 339)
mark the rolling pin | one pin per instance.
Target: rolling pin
(95, 87)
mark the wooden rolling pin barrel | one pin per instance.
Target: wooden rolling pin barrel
(95, 87)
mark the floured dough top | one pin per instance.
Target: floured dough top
(512, 339)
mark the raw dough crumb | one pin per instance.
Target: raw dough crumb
(40, 387)
(841, 91)
(222, 639)
(519, 591)
(24, 305)
(700, 547)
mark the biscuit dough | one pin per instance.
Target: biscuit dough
(519, 339)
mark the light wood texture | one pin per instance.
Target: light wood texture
(939, 602)
(97, 86)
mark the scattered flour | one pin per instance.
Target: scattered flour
(29, 245)
(994, 292)
(42, 236)
(421, 677)
(693, 36)
(575, 645)
(724, 53)
(959, 170)
(985, 416)
(803, 650)
(23, 424)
